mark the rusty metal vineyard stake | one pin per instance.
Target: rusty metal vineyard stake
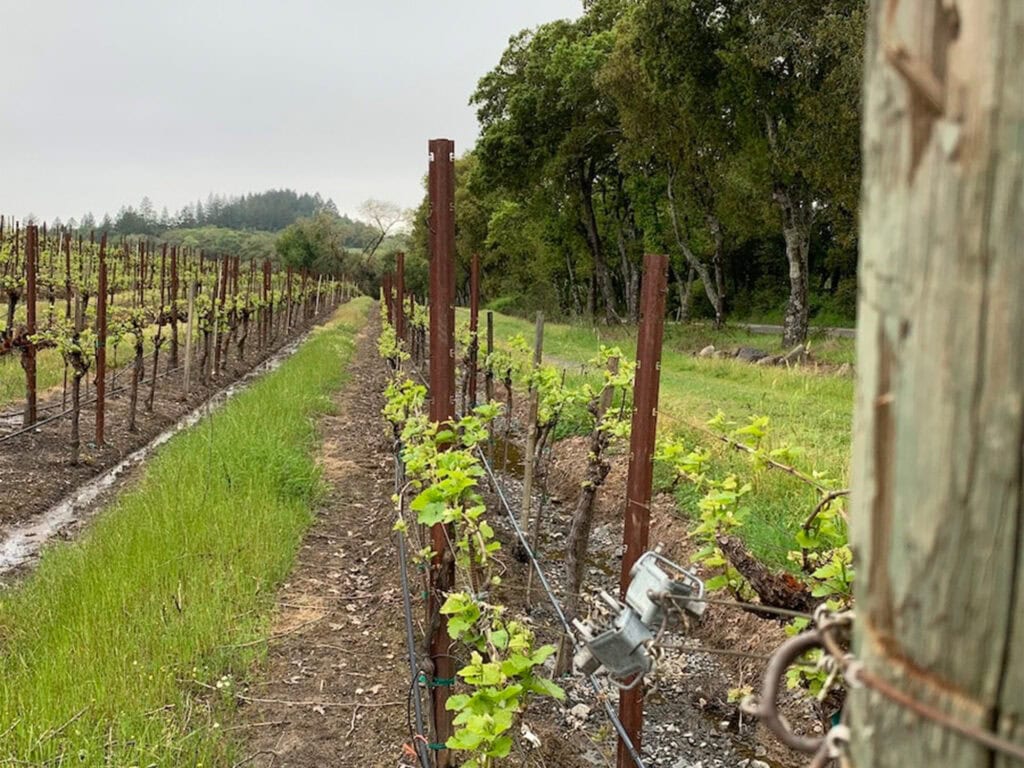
(441, 190)
(489, 371)
(641, 462)
(67, 274)
(174, 309)
(188, 334)
(29, 354)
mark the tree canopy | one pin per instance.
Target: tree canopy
(723, 132)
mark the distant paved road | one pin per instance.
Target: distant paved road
(842, 333)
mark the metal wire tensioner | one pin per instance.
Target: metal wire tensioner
(625, 650)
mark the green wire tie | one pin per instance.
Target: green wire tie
(436, 746)
(437, 682)
(424, 594)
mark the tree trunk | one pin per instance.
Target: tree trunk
(243, 336)
(937, 509)
(715, 226)
(630, 277)
(12, 305)
(589, 221)
(204, 368)
(173, 362)
(796, 229)
(710, 285)
(574, 291)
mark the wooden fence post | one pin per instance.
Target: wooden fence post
(937, 503)
(531, 426)
(474, 325)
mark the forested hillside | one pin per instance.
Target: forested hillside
(301, 230)
(269, 211)
(722, 133)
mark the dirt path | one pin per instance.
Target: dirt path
(333, 689)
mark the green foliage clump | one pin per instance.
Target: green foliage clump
(443, 473)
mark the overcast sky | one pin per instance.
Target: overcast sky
(109, 100)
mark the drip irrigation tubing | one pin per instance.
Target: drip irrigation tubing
(419, 738)
(609, 710)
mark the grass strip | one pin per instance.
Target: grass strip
(809, 410)
(107, 648)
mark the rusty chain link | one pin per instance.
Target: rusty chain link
(838, 661)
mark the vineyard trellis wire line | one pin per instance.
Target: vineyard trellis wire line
(62, 414)
(556, 605)
(115, 375)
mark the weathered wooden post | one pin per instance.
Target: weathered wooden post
(641, 462)
(531, 425)
(400, 296)
(937, 508)
(474, 325)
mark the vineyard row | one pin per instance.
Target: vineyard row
(77, 297)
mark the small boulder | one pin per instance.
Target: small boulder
(580, 711)
(749, 354)
(769, 360)
(708, 351)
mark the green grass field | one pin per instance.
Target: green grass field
(808, 410)
(103, 644)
